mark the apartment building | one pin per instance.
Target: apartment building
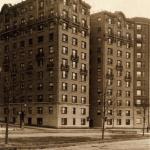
(141, 72)
(45, 63)
(112, 68)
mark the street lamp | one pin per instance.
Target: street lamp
(22, 114)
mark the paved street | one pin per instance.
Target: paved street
(123, 145)
(74, 139)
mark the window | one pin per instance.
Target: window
(64, 74)
(63, 110)
(128, 65)
(128, 103)
(74, 7)
(74, 30)
(127, 93)
(127, 26)
(83, 23)
(30, 41)
(119, 24)
(74, 19)
(83, 100)
(139, 27)
(64, 62)
(110, 51)
(139, 64)
(74, 99)
(65, 2)
(109, 21)
(41, 15)
(64, 98)
(83, 56)
(41, 4)
(64, 86)
(128, 45)
(83, 11)
(74, 87)
(127, 84)
(127, 121)
(138, 121)
(139, 74)
(109, 102)
(109, 121)
(139, 45)
(74, 76)
(65, 26)
(119, 33)
(109, 112)
(110, 41)
(51, 86)
(51, 25)
(139, 92)
(109, 92)
(40, 39)
(119, 84)
(83, 44)
(119, 93)
(119, 103)
(110, 31)
(138, 101)
(138, 55)
(51, 49)
(83, 111)
(139, 36)
(64, 13)
(74, 41)
(65, 38)
(40, 75)
(119, 53)
(50, 109)
(74, 64)
(30, 110)
(83, 78)
(128, 55)
(98, 112)
(83, 121)
(30, 7)
(63, 121)
(119, 43)
(109, 61)
(99, 19)
(40, 27)
(74, 121)
(138, 83)
(50, 98)
(39, 110)
(128, 36)
(51, 37)
(73, 110)
(83, 89)
(127, 112)
(83, 33)
(119, 112)
(118, 121)
(39, 98)
(64, 50)
(22, 43)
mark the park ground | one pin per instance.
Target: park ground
(73, 139)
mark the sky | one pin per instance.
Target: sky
(131, 8)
